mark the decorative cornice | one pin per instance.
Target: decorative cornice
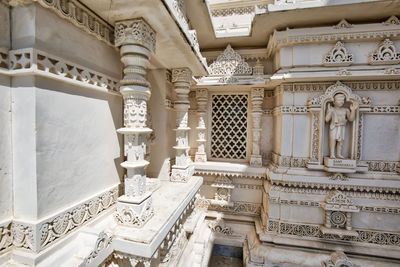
(231, 173)
(382, 166)
(240, 185)
(238, 208)
(81, 17)
(341, 32)
(33, 61)
(290, 110)
(312, 231)
(324, 191)
(224, 12)
(355, 86)
(136, 31)
(330, 186)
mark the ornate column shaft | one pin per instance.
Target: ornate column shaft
(182, 170)
(202, 98)
(257, 96)
(136, 40)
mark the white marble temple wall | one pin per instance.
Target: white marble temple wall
(65, 145)
(162, 120)
(310, 55)
(6, 168)
(38, 27)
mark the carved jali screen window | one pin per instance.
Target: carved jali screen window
(229, 126)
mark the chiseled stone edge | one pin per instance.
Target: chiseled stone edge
(355, 86)
(238, 207)
(30, 60)
(39, 235)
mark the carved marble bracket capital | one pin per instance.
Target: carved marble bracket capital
(135, 32)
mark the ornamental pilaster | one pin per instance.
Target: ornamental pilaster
(136, 40)
(257, 96)
(182, 170)
(202, 98)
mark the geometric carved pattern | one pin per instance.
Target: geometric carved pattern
(230, 63)
(338, 56)
(229, 126)
(384, 54)
(313, 231)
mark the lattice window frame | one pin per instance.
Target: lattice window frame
(248, 128)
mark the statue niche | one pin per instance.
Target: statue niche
(338, 116)
(336, 122)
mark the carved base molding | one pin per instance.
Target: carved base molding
(314, 232)
(134, 213)
(32, 61)
(181, 174)
(40, 235)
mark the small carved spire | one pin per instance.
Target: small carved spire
(393, 20)
(343, 24)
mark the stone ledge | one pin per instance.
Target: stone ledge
(169, 202)
(229, 169)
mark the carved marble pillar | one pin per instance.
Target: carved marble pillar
(257, 96)
(202, 97)
(182, 170)
(136, 40)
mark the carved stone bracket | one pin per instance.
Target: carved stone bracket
(136, 40)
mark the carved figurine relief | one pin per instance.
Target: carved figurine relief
(332, 112)
(338, 117)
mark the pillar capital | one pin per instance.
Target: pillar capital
(257, 93)
(135, 32)
(181, 75)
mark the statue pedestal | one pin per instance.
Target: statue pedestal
(340, 165)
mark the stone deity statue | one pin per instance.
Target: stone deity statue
(338, 117)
